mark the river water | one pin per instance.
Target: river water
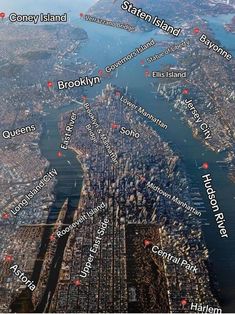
(68, 187)
(110, 44)
(105, 46)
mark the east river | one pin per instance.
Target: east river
(105, 46)
(69, 182)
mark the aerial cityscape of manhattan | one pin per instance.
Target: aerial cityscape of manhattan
(117, 142)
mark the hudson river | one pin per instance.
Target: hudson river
(111, 44)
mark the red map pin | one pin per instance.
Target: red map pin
(205, 165)
(183, 302)
(100, 72)
(84, 98)
(2, 15)
(8, 258)
(142, 62)
(59, 154)
(52, 237)
(118, 94)
(147, 73)
(5, 216)
(77, 282)
(81, 14)
(49, 84)
(196, 30)
(185, 91)
(114, 126)
(147, 243)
